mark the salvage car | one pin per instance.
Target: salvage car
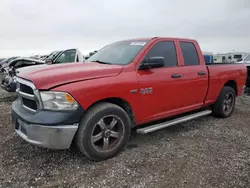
(5, 62)
(135, 83)
(28, 64)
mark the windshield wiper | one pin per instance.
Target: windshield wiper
(102, 62)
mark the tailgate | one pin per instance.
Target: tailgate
(233, 74)
(248, 76)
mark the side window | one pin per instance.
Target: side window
(189, 54)
(67, 57)
(166, 50)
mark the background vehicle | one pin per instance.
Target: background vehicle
(28, 64)
(236, 56)
(4, 62)
(232, 57)
(208, 57)
(124, 85)
(246, 60)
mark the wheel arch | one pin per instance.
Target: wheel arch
(232, 84)
(121, 103)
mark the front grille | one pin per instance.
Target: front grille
(27, 95)
(26, 89)
(29, 103)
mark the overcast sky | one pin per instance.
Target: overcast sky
(41, 26)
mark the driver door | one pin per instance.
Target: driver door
(163, 83)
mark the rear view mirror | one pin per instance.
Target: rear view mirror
(152, 62)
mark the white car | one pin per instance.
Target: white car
(24, 65)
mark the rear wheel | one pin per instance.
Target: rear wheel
(225, 104)
(104, 131)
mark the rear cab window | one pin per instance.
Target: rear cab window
(165, 49)
(189, 53)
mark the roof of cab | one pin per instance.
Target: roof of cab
(158, 38)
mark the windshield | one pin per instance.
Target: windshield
(247, 58)
(51, 55)
(118, 53)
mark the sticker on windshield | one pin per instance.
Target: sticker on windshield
(138, 43)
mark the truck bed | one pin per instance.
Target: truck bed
(233, 74)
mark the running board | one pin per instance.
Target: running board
(165, 124)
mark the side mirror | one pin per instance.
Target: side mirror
(239, 59)
(152, 62)
(48, 61)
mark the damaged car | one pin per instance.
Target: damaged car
(21, 65)
(5, 62)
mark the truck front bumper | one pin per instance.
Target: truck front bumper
(53, 137)
(47, 129)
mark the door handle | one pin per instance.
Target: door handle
(201, 73)
(176, 75)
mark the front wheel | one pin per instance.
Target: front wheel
(225, 103)
(103, 132)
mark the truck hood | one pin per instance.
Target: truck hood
(30, 68)
(53, 75)
(26, 60)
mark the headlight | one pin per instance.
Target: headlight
(58, 101)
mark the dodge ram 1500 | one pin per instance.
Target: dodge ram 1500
(125, 85)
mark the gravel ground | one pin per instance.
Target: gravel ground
(206, 152)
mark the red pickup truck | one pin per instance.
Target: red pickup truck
(124, 85)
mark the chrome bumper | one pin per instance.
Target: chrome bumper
(53, 137)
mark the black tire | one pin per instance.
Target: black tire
(89, 125)
(219, 109)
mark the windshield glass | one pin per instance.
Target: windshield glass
(247, 58)
(118, 53)
(52, 54)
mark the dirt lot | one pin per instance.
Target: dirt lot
(207, 152)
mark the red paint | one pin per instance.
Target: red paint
(57, 74)
(92, 82)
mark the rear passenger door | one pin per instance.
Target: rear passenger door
(162, 84)
(194, 77)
